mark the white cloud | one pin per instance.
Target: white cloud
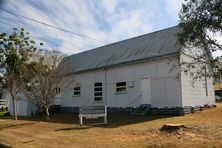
(104, 20)
(218, 38)
(109, 5)
(173, 7)
(129, 26)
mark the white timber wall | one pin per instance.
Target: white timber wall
(23, 107)
(165, 88)
(194, 92)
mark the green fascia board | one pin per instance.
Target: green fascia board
(154, 58)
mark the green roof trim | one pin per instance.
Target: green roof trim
(131, 62)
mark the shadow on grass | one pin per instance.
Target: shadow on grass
(14, 125)
(114, 120)
(73, 128)
(3, 145)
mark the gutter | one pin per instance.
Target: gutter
(129, 62)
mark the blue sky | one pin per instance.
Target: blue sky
(106, 21)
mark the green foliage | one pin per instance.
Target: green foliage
(15, 49)
(198, 18)
(201, 22)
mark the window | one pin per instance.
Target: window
(58, 90)
(120, 87)
(98, 91)
(77, 91)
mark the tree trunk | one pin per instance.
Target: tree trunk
(14, 106)
(172, 127)
(46, 113)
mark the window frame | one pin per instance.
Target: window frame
(100, 87)
(121, 87)
(78, 90)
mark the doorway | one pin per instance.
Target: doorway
(145, 90)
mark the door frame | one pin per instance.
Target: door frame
(141, 98)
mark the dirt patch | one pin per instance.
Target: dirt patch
(184, 133)
(188, 133)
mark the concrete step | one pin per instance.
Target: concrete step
(142, 110)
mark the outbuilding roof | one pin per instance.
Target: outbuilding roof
(156, 44)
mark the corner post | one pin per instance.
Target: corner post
(105, 117)
(81, 120)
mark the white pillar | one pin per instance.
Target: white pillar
(81, 120)
(105, 117)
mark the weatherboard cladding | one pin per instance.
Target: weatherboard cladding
(156, 44)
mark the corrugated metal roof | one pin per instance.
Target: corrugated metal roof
(150, 45)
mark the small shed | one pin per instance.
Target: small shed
(23, 107)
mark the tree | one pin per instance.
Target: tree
(14, 52)
(201, 22)
(41, 79)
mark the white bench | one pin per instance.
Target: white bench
(3, 104)
(92, 112)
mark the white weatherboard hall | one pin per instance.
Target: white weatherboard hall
(131, 73)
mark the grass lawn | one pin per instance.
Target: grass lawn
(204, 130)
(2, 113)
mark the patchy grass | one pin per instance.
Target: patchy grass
(204, 129)
(2, 113)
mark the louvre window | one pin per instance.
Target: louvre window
(77, 91)
(120, 87)
(98, 91)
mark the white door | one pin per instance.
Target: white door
(145, 91)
